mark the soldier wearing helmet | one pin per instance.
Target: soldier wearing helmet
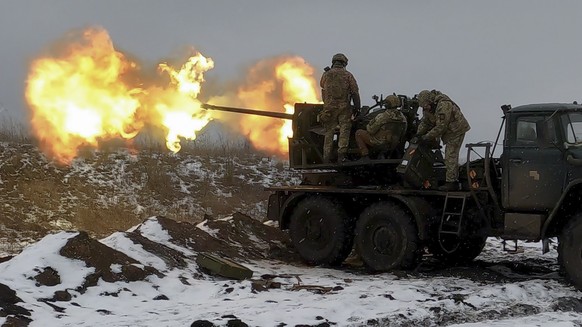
(385, 131)
(339, 88)
(442, 118)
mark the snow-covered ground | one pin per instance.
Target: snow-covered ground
(148, 275)
(495, 291)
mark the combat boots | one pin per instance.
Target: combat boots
(449, 186)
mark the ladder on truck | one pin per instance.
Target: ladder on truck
(450, 228)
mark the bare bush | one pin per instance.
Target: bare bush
(229, 171)
(157, 179)
(12, 130)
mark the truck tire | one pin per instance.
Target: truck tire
(386, 238)
(570, 250)
(321, 231)
(467, 250)
(460, 249)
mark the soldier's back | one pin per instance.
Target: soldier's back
(336, 85)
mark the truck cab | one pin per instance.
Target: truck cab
(540, 168)
(530, 192)
(535, 186)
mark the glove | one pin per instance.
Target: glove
(420, 139)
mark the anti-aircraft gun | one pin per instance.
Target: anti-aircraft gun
(529, 192)
(306, 145)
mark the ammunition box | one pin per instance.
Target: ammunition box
(416, 167)
(223, 267)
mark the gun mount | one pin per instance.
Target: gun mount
(306, 144)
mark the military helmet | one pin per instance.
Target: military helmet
(392, 101)
(425, 97)
(340, 57)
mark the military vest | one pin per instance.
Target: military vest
(336, 86)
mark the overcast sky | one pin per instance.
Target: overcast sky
(481, 53)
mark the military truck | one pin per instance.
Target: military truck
(392, 211)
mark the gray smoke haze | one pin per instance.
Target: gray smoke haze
(481, 53)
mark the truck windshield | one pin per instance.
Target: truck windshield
(572, 124)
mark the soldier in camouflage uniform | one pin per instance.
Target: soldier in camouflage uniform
(338, 88)
(443, 119)
(385, 130)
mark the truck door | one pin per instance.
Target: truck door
(572, 127)
(534, 167)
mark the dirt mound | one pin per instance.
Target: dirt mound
(17, 315)
(172, 257)
(101, 257)
(239, 237)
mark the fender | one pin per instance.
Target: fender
(287, 206)
(558, 206)
(420, 209)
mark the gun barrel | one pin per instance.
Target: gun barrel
(273, 114)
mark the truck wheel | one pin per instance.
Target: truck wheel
(321, 231)
(460, 249)
(465, 250)
(386, 238)
(570, 250)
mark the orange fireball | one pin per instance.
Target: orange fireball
(87, 92)
(82, 95)
(78, 98)
(274, 85)
(183, 118)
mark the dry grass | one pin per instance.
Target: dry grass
(40, 192)
(32, 189)
(157, 179)
(103, 220)
(228, 174)
(12, 130)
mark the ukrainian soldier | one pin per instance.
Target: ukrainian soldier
(339, 88)
(386, 130)
(443, 119)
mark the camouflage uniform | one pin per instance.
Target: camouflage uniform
(427, 122)
(447, 123)
(386, 129)
(338, 87)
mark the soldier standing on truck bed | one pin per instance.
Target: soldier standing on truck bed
(339, 88)
(442, 118)
(384, 131)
